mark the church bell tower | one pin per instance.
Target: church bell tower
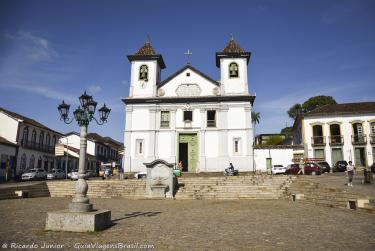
(146, 66)
(233, 61)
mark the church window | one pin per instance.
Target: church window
(188, 116)
(140, 146)
(143, 72)
(211, 118)
(187, 74)
(236, 146)
(164, 119)
(233, 70)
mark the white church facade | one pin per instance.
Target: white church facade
(189, 118)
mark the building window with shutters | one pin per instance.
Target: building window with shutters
(140, 147)
(211, 118)
(188, 116)
(236, 146)
(164, 119)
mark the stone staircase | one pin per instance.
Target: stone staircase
(18, 191)
(231, 188)
(308, 191)
(128, 188)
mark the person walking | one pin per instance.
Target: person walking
(350, 169)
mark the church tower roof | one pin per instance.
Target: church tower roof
(232, 47)
(232, 50)
(146, 49)
(146, 52)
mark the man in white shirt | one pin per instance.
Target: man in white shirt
(350, 169)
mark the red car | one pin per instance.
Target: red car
(309, 168)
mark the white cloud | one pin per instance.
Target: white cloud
(45, 92)
(94, 89)
(37, 48)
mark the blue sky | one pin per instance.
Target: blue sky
(54, 50)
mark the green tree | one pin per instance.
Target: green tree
(317, 101)
(255, 117)
(295, 111)
(274, 140)
(287, 131)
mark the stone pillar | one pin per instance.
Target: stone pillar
(152, 134)
(173, 134)
(223, 137)
(127, 140)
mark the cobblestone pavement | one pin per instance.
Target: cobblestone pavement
(340, 180)
(197, 225)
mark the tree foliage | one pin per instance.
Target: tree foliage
(255, 117)
(295, 111)
(274, 140)
(309, 105)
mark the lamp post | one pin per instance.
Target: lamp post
(84, 114)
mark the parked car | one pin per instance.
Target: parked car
(277, 169)
(34, 174)
(326, 168)
(373, 167)
(340, 166)
(56, 174)
(91, 173)
(311, 167)
(140, 175)
(293, 169)
(73, 175)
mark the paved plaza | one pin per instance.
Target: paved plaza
(195, 225)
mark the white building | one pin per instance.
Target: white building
(339, 132)
(189, 117)
(35, 143)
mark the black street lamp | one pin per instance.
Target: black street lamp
(84, 114)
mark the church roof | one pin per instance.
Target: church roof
(188, 66)
(232, 47)
(146, 52)
(232, 50)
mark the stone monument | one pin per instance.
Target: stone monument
(160, 180)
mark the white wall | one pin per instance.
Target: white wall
(345, 122)
(149, 89)
(234, 85)
(74, 141)
(205, 86)
(279, 157)
(8, 127)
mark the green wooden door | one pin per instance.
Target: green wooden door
(360, 157)
(336, 155)
(192, 141)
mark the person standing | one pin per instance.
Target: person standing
(350, 169)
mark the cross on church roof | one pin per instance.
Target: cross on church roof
(188, 54)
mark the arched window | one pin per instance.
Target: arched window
(143, 72)
(25, 135)
(32, 162)
(48, 139)
(318, 137)
(33, 138)
(54, 140)
(40, 162)
(41, 139)
(233, 70)
(23, 162)
(335, 137)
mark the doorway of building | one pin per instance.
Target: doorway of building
(336, 155)
(360, 156)
(188, 151)
(183, 155)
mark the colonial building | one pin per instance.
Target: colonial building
(189, 117)
(34, 141)
(100, 151)
(338, 132)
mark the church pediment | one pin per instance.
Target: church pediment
(187, 82)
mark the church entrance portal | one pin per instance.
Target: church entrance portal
(188, 151)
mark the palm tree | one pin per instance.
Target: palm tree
(255, 117)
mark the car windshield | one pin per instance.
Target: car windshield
(32, 171)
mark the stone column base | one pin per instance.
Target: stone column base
(65, 220)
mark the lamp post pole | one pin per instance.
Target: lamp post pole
(84, 114)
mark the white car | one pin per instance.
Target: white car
(277, 169)
(56, 174)
(34, 174)
(73, 175)
(140, 175)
